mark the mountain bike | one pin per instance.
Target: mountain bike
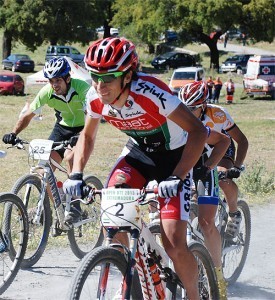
(83, 235)
(13, 236)
(142, 271)
(234, 250)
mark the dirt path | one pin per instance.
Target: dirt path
(50, 278)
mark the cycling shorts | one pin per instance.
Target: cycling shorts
(135, 168)
(208, 188)
(63, 133)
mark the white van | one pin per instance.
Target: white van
(260, 76)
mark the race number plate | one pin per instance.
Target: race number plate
(40, 149)
(119, 207)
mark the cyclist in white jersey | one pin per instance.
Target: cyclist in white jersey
(166, 141)
(218, 118)
(66, 96)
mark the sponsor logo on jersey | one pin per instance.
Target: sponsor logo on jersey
(145, 88)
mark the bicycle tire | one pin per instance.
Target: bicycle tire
(233, 260)
(90, 235)
(84, 285)
(14, 226)
(208, 289)
(28, 188)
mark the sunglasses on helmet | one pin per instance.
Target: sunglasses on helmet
(105, 78)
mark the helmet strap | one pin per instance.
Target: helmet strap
(122, 89)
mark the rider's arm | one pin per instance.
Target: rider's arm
(242, 142)
(23, 122)
(197, 135)
(220, 143)
(85, 144)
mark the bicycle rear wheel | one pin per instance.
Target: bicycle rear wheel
(100, 275)
(235, 250)
(13, 237)
(90, 235)
(208, 288)
(28, 188)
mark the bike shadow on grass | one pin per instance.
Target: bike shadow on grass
(246, 291)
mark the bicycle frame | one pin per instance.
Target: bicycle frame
(40, 149)
(123, 215)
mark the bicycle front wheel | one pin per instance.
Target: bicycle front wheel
(13, 237)
(100, 276)
(235, 250)
(28, 188)
(89, 235)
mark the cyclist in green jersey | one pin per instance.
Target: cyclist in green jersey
(66, 96)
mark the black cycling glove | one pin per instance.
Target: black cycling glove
(234, 172)
(201, 173)
(9, 138)
(73, 140)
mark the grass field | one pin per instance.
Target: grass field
(254, 117)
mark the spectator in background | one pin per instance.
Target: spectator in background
(210, 85)
(230, 89)
(225, 39)
(217, 90)
(243, 36)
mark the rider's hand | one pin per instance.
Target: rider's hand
(74, 185)
(234, 172)
(201, 173)
(73, 140)
(170, 187)
(9, 138)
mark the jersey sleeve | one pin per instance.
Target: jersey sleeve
(158, 93)
(41, 98)
(229, 123)
(91, 98)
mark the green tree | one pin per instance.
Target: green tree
(33, 22)
(203, 21)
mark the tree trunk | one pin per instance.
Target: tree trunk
(6, 44)
(211, 42)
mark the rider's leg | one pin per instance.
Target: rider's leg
(174, 216)
(211, 234)
(174, 242)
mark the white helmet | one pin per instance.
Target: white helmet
(193, 94)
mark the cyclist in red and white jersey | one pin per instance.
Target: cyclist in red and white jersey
(166, 141)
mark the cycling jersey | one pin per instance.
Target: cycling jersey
(156, 143)
(144, 115)
(217, 118)
(69, 109)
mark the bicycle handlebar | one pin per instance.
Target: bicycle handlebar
(229, 174)
(19, 144)
(90, 193)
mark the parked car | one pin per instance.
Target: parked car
(236, 63)
(58, 51)
(169, 36)
(18, 62)
(173, 60)
(11, 83)
(182, 76)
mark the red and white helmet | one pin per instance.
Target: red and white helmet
(111, 55)
(193, 94)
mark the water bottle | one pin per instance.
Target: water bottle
(60, 190)
(156, 279)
